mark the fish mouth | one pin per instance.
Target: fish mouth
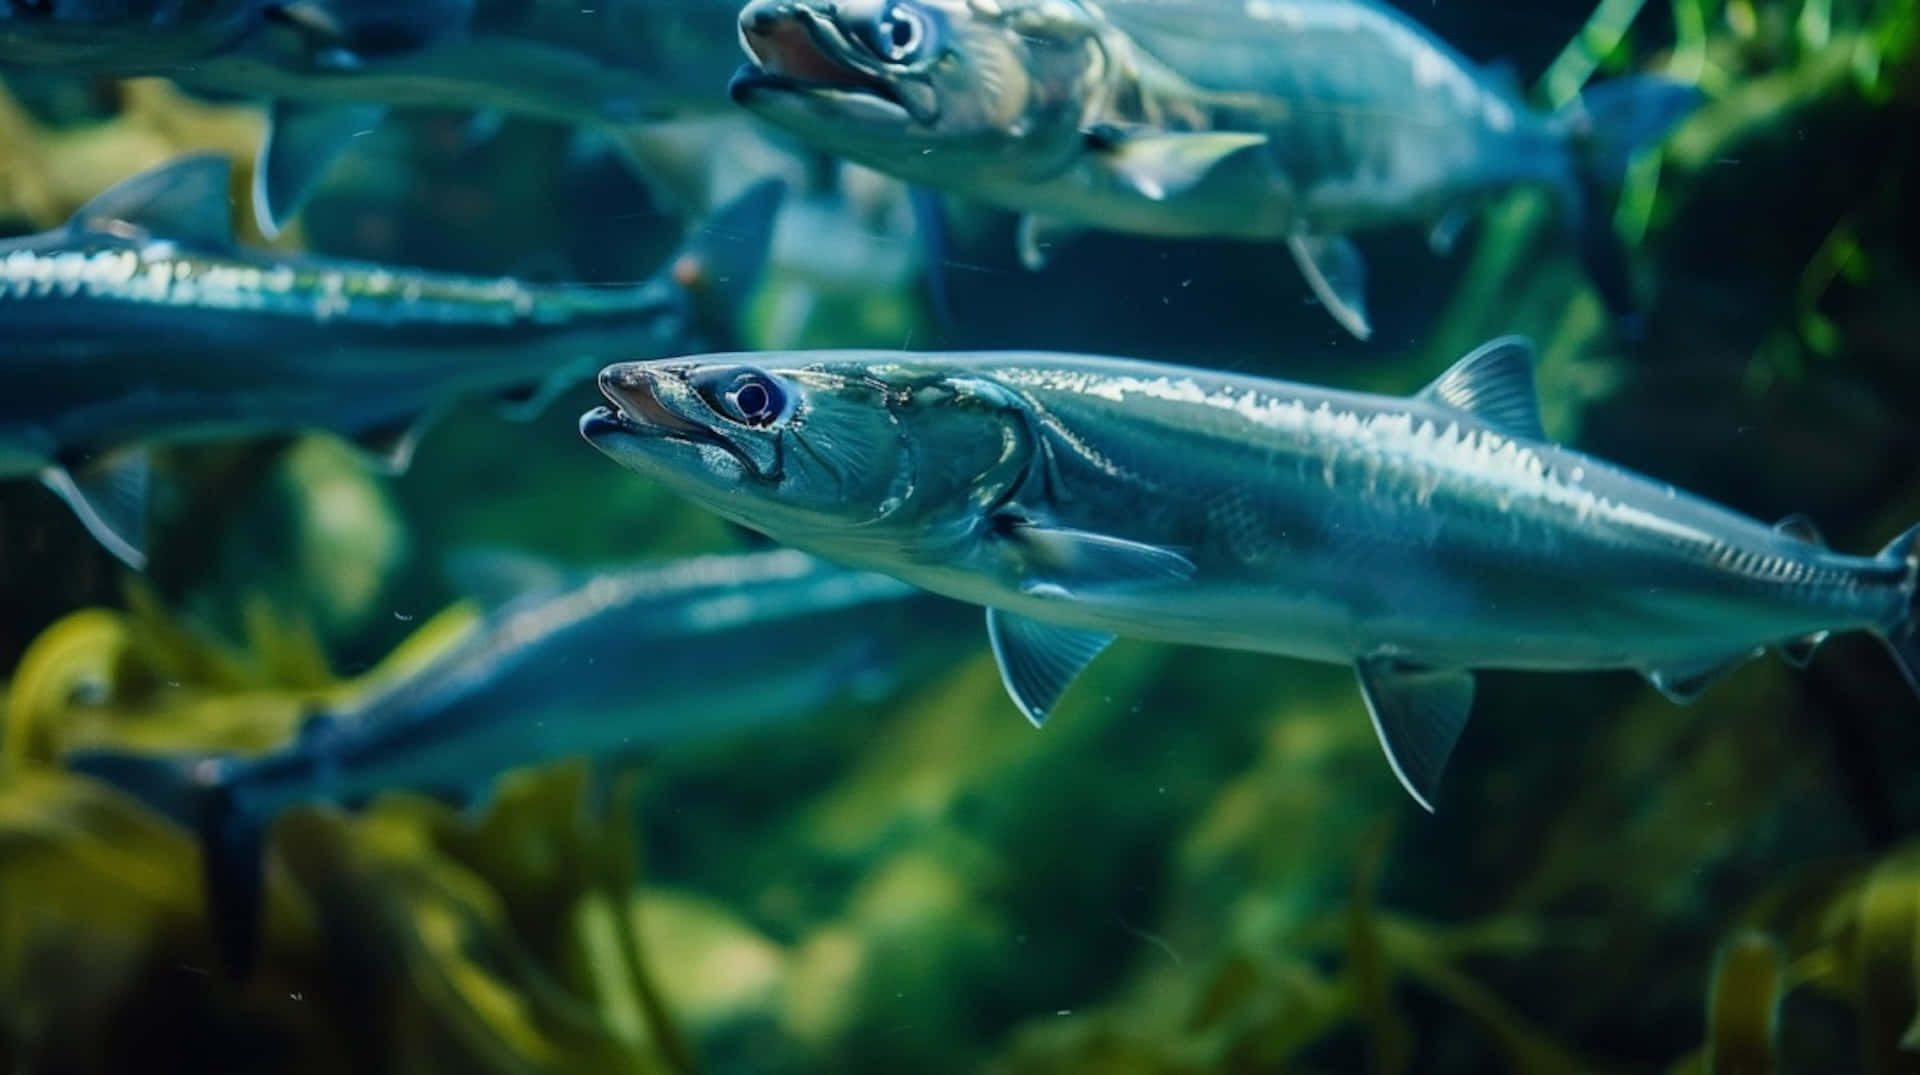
(639, 410)
(794, 49)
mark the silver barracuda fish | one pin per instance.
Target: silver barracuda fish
(1283, 120)
(605, 665)
(1417, 538)
(332, 68)
(141, 322)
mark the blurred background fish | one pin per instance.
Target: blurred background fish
(142, 322)
(601, 666)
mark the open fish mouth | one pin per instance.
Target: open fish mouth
(638, 411)
(794, 50)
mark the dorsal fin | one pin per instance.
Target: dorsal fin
(1801, 528)
(1493, 383)
(184, 200)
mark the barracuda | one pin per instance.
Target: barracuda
(604, 665)
(332, 68)
(1296, 121)
(141, 322)
(1080, 498)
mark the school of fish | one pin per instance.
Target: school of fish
(1076, 498)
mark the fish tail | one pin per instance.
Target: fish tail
(198, 792)
(1606, 127)
(1903, 635)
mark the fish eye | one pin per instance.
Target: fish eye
(753, 398)
(899, 35)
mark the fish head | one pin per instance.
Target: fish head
(866, 457)
(929, 90)
(119, 35)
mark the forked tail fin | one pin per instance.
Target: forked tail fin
(1903, 636)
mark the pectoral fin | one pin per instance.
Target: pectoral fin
(1161, 165)
(389, 448)
(302, 142)
(1338, 276)
(1080, 560)
(1037, 660)
(110, 499)
(1683, 683)
(1418, 713)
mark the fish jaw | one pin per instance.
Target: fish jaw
(639, 430)
(803, 72)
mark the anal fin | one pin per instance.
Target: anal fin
(1338, 276)
(1418, 713)
(1037, 660)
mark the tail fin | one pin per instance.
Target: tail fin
(1903, 637)
(721, 261)
(1607, 126)
(197, 792)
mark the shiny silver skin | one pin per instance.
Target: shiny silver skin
(1294, 120)
(1429, 534)
(610, 664)
(610, 62)
(140, 322)
(605, 665)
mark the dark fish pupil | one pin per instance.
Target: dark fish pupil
(902, 33)
(755, 401)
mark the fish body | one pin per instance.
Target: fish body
(1082, 498)
(1285, 120)
(141, 322)
(331, 68)
(603, 665)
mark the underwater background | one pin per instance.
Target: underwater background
(1200, 864)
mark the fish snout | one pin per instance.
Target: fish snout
(636, 390)
(761, 24)
(788, 39)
